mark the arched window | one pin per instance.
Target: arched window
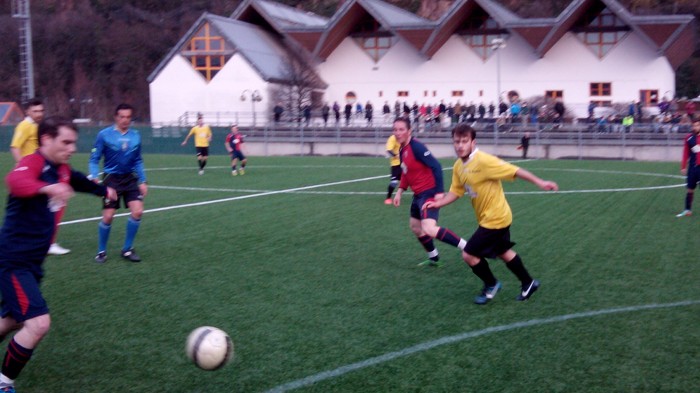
(207, 52)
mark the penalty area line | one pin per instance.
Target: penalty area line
(387, 357)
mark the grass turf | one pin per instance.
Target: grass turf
(325, 276)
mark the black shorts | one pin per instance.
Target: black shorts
(127, 187)
(202, 151)
(21, 297)
(396, 172)
(237, 154)
(419, 200)
(693, 177)
(489, 243)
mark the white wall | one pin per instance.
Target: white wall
(179, 89)
(569, 66)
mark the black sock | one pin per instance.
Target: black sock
(199, 162)
(427, 243)
(689, 200)
(389, 191)
(483, 271)
(204, 163)
(16, 358)
(447, 236)
(516, 266)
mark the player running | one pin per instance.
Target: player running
(690, 166)
(479, 175)
(39, 185)
(234, 146)
(423, 174)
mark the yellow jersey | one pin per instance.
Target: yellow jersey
(393, 146)
(26, 137)
(480, 177)
(201, 135)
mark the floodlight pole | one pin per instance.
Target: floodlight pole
(20, 10)
(497, 44)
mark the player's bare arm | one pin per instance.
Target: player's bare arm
(545, 185)
(397, 197)
(441, 200)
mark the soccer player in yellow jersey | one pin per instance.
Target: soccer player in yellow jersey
(202, 138)
(392, 152)
(479, 175)
(25, 141)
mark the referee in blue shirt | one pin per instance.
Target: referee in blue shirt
(123, 170)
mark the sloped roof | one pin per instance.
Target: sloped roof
(10, 113)
(305, 28)
(280, 15)
(461, 11)
(262, 49)
(395, 20)
(566, 20)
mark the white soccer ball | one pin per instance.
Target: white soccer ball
(209, 348)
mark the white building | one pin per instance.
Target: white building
(595, 51)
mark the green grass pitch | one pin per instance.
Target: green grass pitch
(315, 279)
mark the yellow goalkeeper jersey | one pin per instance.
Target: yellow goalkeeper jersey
(201, 135)
(26, 137)
(480, 177)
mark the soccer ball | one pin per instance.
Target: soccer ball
(209, 348)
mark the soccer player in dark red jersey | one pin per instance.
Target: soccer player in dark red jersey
(39, 185)
(423, 174)
(690, 166)
(234, 146)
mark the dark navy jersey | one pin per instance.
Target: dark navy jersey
(29, 216)
(421, 171)
(691, 151)
(234, 141)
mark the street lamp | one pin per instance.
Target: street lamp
(254, 97)
(497, 44)
(82, 102)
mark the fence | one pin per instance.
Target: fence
(548, 141)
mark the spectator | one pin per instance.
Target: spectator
(325, 111)
(336, 112)
(278, 110)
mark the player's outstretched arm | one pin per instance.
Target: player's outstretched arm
(542, 184)
(445, 200)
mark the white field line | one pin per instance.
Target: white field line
(265, 193)
(390, 356)
(260, 193)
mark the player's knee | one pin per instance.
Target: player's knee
(136, 211)
(429, 227)
(471, 260)
(394, 183)
(38, 327)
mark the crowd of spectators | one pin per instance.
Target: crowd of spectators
(667, 116)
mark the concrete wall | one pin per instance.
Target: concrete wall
(444, 149)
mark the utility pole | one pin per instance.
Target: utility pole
(20, 11)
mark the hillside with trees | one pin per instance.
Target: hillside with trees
(91, 54)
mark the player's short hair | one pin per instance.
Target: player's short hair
(32, 102)
(464, 129)
(405, 120)
(123, 106)
(51, 124)
(695, 118)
